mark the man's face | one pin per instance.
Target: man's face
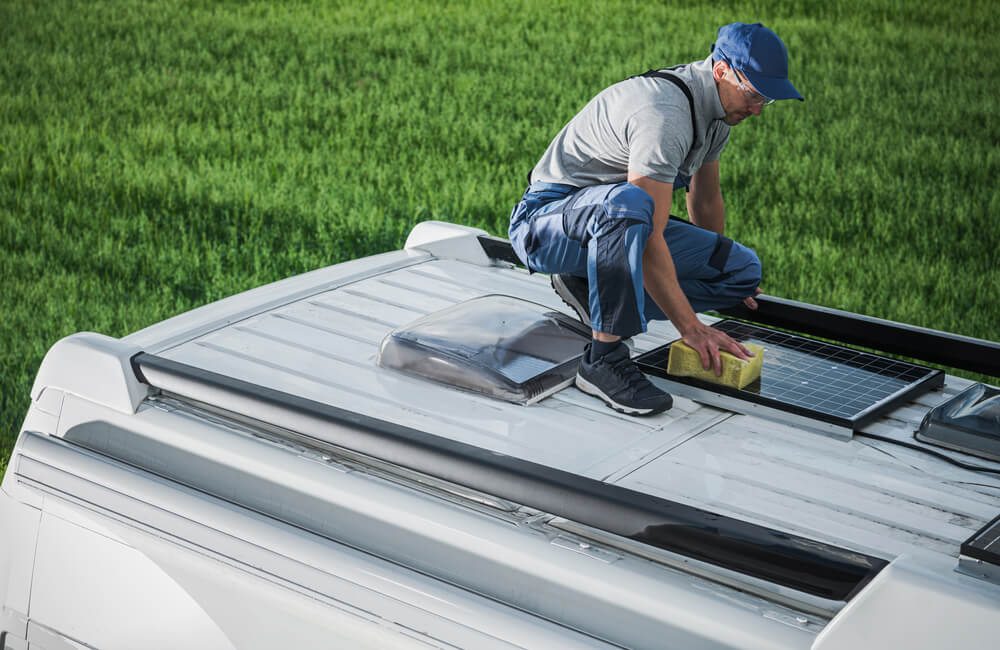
(739, 98)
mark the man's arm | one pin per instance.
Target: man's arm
(706, 208)
(660, 280)
(704, 199)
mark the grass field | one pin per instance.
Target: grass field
(156, 156)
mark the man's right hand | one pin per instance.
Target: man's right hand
(660, 279)
(709, 341)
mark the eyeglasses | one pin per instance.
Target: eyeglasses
(756, 99)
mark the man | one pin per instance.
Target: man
(595, 214)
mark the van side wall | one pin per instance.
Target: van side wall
(18, 533)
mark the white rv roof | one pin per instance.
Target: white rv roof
(317, 335)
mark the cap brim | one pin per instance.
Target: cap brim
(773, 87)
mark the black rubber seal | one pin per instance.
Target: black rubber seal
(499, 249)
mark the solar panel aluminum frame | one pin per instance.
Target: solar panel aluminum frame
(705, 393)
(749, 403)
(977, 557)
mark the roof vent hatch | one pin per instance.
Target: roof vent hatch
(500, 346)
(969, 422)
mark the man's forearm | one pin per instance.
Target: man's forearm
(710, 214)
(704, 199)
(658, 274)
(660, 279)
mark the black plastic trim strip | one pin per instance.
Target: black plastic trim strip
(789, 560)
(935, 346)
(499, 249)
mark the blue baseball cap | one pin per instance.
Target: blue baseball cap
(760, 55)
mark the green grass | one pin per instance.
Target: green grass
(158, 156)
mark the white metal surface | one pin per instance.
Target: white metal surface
(235, 308)
(325, 550)
(448, 241)
(853, 494)
(324, 348)
(93, 366)
(917, 601)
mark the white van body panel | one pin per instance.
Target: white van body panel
(17, 558)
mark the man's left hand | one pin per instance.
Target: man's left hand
(750, 302)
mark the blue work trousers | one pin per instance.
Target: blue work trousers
(600, 233)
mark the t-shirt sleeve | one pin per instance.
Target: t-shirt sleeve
(659, 138)
(718, 139)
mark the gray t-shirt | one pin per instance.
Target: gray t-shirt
(641, 124)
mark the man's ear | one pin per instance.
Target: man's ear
(719, 69)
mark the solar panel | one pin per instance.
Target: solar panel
(980, 554)
(828, 383)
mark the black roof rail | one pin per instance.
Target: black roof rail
(948, 349)
(935, 346)
(782, 558)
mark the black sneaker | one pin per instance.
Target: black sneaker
(575, 292)
(617, 380)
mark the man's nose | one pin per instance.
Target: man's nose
(756, 108)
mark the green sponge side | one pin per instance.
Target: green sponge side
(737, 373)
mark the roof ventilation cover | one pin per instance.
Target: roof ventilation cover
(501, 346)
(969, 422)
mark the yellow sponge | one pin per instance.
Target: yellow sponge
(737, 373)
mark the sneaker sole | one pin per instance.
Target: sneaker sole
(567, 297)
(591, 389)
